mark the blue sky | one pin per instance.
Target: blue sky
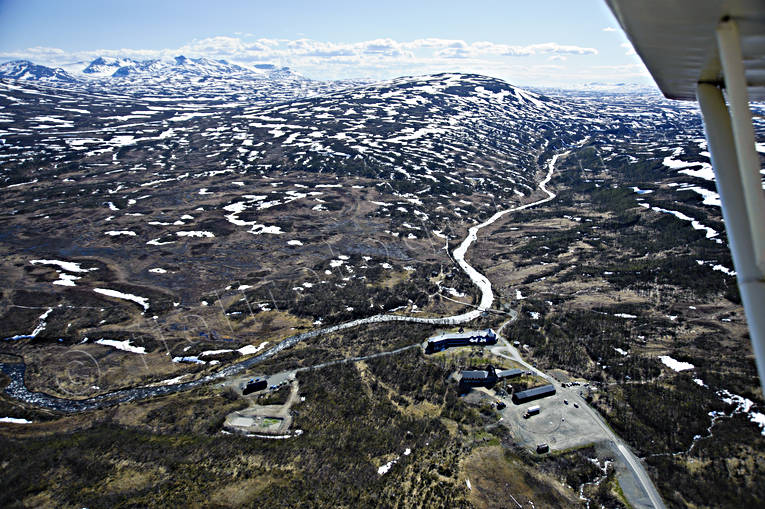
(545, 43)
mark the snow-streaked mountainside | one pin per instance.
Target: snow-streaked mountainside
(448, 135)
(451, 142)
(417, 129)
(434, 132)
(449, 145)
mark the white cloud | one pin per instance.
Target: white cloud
(38, 54)
(212, 46)
(629, 48)
(461, 49)
(552, 47)
(384, 58)
(609, 29)
(43, 50)
(239, 49)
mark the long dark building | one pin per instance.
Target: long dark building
(509, 373)
(255, 384)
(478, 378)
(485, 377)
(532, 394)
(468, 338)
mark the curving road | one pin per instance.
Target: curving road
(629, 461)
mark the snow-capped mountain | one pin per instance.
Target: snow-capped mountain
(179, 66)
(26, 70)
(417, 129)
(182, 67)
(181, 77)
(107, 66)
(448, 133)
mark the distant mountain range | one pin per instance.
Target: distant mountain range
(110, 67)
(180, 77)
(598, 87)
(184, 70)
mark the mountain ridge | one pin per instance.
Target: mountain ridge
(28, 70)
(182, 78)
(119, 67)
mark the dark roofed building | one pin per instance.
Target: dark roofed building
(509, 373)
(478, 378)
(532, 394)
(255, 384)
(468, 338)
(475, 375)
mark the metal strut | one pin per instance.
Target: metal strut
(729, 42)
(730, 137)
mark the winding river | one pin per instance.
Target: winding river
(18, 390)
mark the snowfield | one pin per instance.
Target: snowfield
(675, 364)
(122, 345)
(141, 301)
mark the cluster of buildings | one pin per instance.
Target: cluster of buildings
(489, 376)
